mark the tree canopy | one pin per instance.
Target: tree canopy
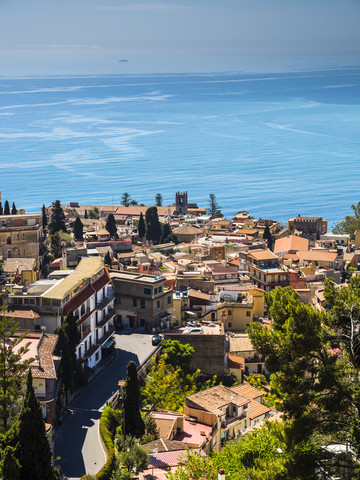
(141, 226)
(6, 208)
(214, 209)
(158, 200)
(111, 225)
(78, 229)
(153, 225)
(125, 199)
(14, 209)
(133, 422)
(57, 218)
(351, 222)
(178, 354)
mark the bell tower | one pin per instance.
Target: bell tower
(181, 201)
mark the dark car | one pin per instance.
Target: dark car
(156, 339)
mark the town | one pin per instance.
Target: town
(178, 335)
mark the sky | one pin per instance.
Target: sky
(47, 37)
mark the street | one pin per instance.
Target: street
(77, 439)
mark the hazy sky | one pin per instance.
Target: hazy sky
(91, 36)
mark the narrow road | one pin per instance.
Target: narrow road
(77, 439)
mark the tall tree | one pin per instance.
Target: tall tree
(158, 200)
(165, 233)
(78, 229)
(141, 226)
(13, 365)
(1, 209)
(214, 208)
(351, 222)
(34, 451)
(125, 199)
(153, 225)
(57, 218)
(268, 237)
(10, 465)
(85, 214)
(6, 208)
(107, 259)
(178, 355)
(44, 216)
(111, 225)
(13, 209)
(133, 203)
(133, 422)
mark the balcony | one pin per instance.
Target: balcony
(255, 359)
(231, 420)
(102, 340)
(85, 332)
(101, 305)
(107, 317)
(83, 317)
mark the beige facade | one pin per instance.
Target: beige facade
(142, 300)
(21, 236)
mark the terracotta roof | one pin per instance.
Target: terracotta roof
(256, 409)
(214, 398)
(198, 294)
(168, 459)
(219, 268)
(291, 256)
(317, 256)
(45, 367)
(11, 265)
(20, 314)
(101, 281)
(186, 230)
(292, 242)
(108, 209)
(262, 255)
(163, 445)
(236, 362)
(247, 391)
(136, 211)
(102, 231)
(78, 299)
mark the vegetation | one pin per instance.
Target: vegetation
(111, 225)
(125, 199)
(33, 449)
(268, 237)
(59, 241)
(133, 422)
(351, 222)
(158, 200)
(1, 209)
(178, 355)
(107, 259)
(57, 218)
(94, 213)
(78, 229)
(12, 369)
(110, 422)
(132, 456)
(141, 226)
(214, 209)
(13, 209)
(153, 225)
(6, 208)
(44, 216)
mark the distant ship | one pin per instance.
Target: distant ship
(123, 60)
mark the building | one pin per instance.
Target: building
(308, 227)
(223, 409)
(88, 292)
(142, 300)
(21, 236)
(241, 346)
(181, 202)
(21, 270)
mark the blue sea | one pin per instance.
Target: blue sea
(276, 145)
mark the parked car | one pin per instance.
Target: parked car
(156, 339)
(194, 330)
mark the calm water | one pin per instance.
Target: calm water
(276, 145)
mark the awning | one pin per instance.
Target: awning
(108, 344)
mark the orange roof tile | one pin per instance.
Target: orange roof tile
(247, 391)
(262, 255)
(317, 256)
(256, 409)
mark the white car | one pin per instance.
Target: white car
(194, 330)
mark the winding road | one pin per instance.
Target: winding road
(77, 439)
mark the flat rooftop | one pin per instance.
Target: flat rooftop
(135, 277)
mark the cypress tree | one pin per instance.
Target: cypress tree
(85, 214)
(57, 218)
(153, 226)
(78, 229)
(165, 233)
(1, 209)
(66, 364)
(71, 331)
(6, 208)
(141, 226)
(268, 237)
(13, 209)
(111, 225)
(34, 450)
(158, 200)
(44, 217)
(133, 422)
(107, 259)
(9, 465)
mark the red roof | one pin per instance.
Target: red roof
(101, 281)
(78, 299)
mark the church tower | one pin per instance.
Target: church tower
(181, 201)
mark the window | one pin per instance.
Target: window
(160, 289)
(118, 300)
(229, 312)
(229, 324)
(158, 304)
(155, 291)
(8, 240)
(248, 313)
(97, 356)
(169, 300)
(147, 291)
(134, 302)
(142, 304)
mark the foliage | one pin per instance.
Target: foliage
(9, 464)
(141, 226)
(213, 206)
(132, 456)
(107, 259)
(12, 368)
(133, 203)
(178, 354)
(44, 216)
(125, 199)
(1, 209)
(13, 209)
(153, 225)
(6, 208)
(57, 218)
(111, 225)
(158, 200)
(194, 466)
(268, 237)
(109, 421)
(259, 381)
(133, 423)
(58, 241)
(94, 213)
(78, 229)
(351, 222)
(85, 214)
(33, 448)
(151, 430)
